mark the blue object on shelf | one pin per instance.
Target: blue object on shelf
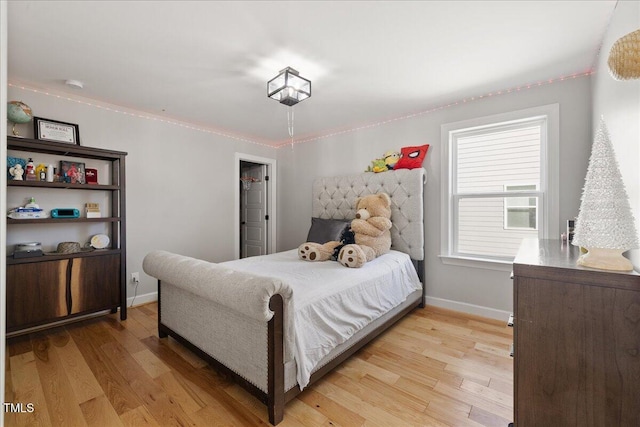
(12, 161)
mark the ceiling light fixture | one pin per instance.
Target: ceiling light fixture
(624, 58)
(288, 87)
(76, 84)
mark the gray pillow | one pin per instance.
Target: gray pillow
(325, 230)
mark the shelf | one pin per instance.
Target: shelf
(97, 252)
(62, 185)
(67, 285)
(60, 220)
(62, 149)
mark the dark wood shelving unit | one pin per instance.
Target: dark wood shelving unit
(62, 185)
(50, 257)
(52, 288)
(61, 220)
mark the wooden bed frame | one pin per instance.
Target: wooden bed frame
(277, 397)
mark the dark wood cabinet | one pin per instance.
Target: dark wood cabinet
(48, 291)
(94, 283)
(576, 340)
(50, 288)
(36, 293)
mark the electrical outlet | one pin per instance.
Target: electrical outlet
(135, 277)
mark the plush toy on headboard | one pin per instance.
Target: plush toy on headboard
(385, 163)
(371, 232)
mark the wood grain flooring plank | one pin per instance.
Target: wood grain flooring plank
(18, 345)
(390, 393)
(175, 386)
(356, 368)
(300, 414)
(453, 419)
(475, 399)
(138, 417)
(209, 416)
(501, 385)
(250, 402)
(493, 371)
(433, 368)
(488, 419)
(115, 387)
(373, 416)
(124, 335)
(83, 382)
(8, 384)
(469, 373)
(205, 378)
(403, 406)
(28, 389)
(419, 365)
(99, 412)
(58, 392)
(150, 310)
(160, 404)
(150, 363)
(185, 353)
(162, 407)
(334, 411)
(213, 405)
(488, 393)
(151, 325)
(136, 328)
(433, 397)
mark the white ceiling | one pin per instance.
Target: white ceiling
(207, 63)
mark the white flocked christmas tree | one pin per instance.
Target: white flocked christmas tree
(605, 225)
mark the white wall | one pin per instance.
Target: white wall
(3, 206)
(619, 103)
(180, 181)
(485, 292)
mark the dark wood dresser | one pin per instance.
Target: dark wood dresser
(576, 340)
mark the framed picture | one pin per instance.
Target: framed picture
(53, 130)
(72, 172)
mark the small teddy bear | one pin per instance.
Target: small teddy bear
(371, 233)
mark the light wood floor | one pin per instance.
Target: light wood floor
(433, 368)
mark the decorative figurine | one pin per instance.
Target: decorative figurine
(16, 172)
(30, 169)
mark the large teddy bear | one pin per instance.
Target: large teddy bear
(370, 230)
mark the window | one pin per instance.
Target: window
(520, 213)
(499, 185)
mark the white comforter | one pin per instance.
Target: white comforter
(332, 302)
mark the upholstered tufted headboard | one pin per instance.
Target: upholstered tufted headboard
(334, 197)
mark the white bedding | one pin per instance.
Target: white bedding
(332, 302)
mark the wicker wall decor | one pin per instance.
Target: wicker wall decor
(624, 58)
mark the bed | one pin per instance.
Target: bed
(277, 324)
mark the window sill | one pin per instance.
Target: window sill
(487, 264)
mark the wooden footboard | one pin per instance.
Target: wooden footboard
(276, 398)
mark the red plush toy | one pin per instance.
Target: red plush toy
(412, 157)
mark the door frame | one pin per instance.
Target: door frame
(271, 201)
(3, 192)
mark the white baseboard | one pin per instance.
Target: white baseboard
(477, 310)
(464, 307)
(142, 299)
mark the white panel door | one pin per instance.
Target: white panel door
(253, 215)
